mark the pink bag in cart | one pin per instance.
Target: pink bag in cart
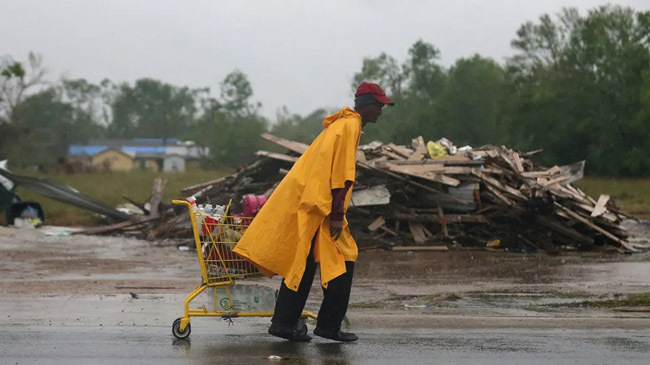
(252, 204)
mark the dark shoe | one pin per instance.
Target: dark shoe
(288, 333)
(335, 335)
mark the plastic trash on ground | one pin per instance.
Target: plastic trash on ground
(436, 150)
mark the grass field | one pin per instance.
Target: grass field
(110, 188)
(632, 195)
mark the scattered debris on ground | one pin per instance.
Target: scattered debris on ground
(425, 196)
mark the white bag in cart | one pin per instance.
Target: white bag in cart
(245, 298)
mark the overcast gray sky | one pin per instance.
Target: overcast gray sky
(301, 54)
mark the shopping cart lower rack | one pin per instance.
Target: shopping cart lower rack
(215, 238)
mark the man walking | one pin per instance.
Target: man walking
(303, 223)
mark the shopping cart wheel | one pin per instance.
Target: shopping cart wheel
(176, 329)
(301, 326)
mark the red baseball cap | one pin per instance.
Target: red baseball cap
(375, 90)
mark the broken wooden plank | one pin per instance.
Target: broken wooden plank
(546, 173)
(532, 153)
(200, 186)
(504, 187)
(402, 151)
(517, 159)
(427, 232)
(417, 230)
(498, 194)
(388, 230)
(277, 156)
(421, 151)
(288, 144)
(550, 182)
(457, 170)
(380, 221)
(435, 177)
(597, 228)
(391, 154)
(600, 205)
(408, 181)
(506, 156)
(419, 169)
(441, 161)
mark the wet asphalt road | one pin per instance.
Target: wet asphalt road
(248, 344)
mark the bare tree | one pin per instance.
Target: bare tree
(15, 81)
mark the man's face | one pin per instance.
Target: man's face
(373, 111)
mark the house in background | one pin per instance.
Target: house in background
(174, 163)
(170, 155)
(111, 159)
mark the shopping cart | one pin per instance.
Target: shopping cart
(215, 237)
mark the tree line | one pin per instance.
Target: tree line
(577, 86)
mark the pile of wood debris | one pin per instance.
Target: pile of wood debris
(489, 197)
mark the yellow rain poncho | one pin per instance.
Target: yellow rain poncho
(280, 237)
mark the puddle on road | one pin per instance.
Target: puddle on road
(504, 283)
(467, 267)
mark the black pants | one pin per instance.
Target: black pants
(290, 304)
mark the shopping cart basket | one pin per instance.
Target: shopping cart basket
(215, 237)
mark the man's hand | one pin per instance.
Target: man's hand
(338, 210)
(336, 227)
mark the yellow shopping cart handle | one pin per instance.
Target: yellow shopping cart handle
(180, 202)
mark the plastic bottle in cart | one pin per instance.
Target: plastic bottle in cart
(192, 201)
(219, 210)
(196, 209)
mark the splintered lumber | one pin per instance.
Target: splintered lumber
(457, 170)
(557, 180)
(277, 156)
(518, 165)
(600, 206)
(431, 176)
(546, 173)
(420, 149)
(507, 158)
(521, 198)
(500, 196)
(408, 181)
(391, 154)
(401, 151)
(290, 145)
(420, 248)
(376, 224)
(206, 184)
(565, 230)
(533, 153)
(417, 230)
(441, 161)
(597, 228)
(415, 169)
